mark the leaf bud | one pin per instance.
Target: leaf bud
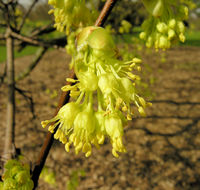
(22, 177)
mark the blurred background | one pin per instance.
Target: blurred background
(163, 149)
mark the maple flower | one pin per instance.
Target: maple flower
(165, 24)
(101, 95)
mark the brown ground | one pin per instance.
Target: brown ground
(163, 149)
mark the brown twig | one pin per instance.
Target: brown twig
(63, 100)
(29, 99)
(39, 54)
(39, 31)
(28, 40)
(27, 14)
(105, 12)
(55, 43)
(43, 30)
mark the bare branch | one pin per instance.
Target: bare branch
(27, 14)
(9, 148)
(43, 30)
(28, 39)
(105, 12)
(55, 43)
(39, 54)
(29, 99)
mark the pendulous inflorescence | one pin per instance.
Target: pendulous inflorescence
(164, 26)
(103, 95)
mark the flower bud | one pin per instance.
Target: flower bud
(171, 34)
(163, 42)
(113, 126)
(22, 177)
(10, 163)
(88, 81)
(142, 102)
(143, 35)
(65, 117)
(107, 83)
(136, 60)
(141, 111)
(128, 89)
(68, 113)
(15, 170)
(149, 42)
(184, 11)
(84, 121)
(83, 35)
(101, 40)
(27, 186)
(100, 118)
(182, 37)
(181, 27)
(161, 27)
(10, 184)
(172, 23)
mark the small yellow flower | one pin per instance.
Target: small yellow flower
(64, 119)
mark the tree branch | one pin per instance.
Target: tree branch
(55, 43)
(39, 54)
(27, 14)
(29, 99)
(63, 100)
(105, 12)
(9, 148)
(28, 40)
(39, 31)
(43, 30)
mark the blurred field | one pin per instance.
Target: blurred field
(163, 149)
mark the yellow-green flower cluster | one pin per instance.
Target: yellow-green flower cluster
(103, 93)
(16, 176)
(70, 17)
(165, 24)
(70, 14)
